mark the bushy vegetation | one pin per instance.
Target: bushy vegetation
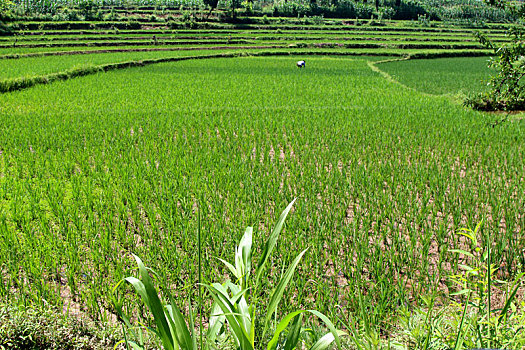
(457, 11)
(507, 85)
(235, 314)
(48, 328)
(6, 7)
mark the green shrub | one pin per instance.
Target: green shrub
(290, 9)
(507, 86)
(6, 6)
(5, 29)
(409, 10)
(47, 328)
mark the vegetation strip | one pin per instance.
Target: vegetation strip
(162, 39)
(127, 43)
(10, 85)
(55, 26)
(87, 52)
(373, 66)
(23, 83)
(218, 42)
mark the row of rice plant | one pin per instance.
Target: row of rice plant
(99, 167)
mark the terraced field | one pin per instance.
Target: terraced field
(37, 53)
(127, 153)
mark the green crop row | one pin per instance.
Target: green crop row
(166, 38)
(126, 161)
(194, 32)
(309, 43)
(18, 52)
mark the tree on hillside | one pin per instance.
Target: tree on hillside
(212, 4)
(5, 8)
(507, 86)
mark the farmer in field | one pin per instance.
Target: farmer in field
(301, 64)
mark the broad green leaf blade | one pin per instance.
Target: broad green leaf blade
(169, 317)
(244, 256)
(330, 326)
(180, 328)
(222, 299)
(246, 321)
(237, 299)
(272, 241)
(235, 288)
(272, 345)
(478, 226)
(468, 233)
(461, 292)
(183, 336)
(217, 320)
(279, 290)
(230, 267)
(461, 251)
(466, 267)
(326, 340)
(293, 336)
(152, 300)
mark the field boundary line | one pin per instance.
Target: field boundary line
(391, 79)
(17, 84)
(10, 85)
(88, 52)
(373, 66)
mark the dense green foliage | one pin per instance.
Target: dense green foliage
(457, 11)
(506, 86)
(129, 156)
(48, 328)
(5, 8)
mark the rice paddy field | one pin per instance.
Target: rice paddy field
(385, 164)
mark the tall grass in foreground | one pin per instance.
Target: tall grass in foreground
(236, 304)
(470, 320)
